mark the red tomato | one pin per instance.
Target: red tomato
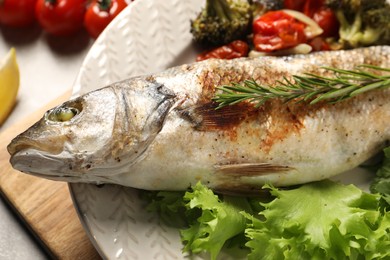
(319, 44)
(312, 6)
(294, 4)
(60, 17)
(100, 13)
(323, 16)
(327, 20)
(235, 49)
(17, 13)
(277, 30)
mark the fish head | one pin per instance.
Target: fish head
(92, 136)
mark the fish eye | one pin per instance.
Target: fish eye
(63, 114)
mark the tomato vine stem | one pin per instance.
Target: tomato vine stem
(104, 4)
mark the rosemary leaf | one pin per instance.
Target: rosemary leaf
(372, 86)
(311, 88)
(334, 94)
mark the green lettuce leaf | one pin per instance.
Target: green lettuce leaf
(169, 205)
(322, 220)
(381, 183)
(219, 220)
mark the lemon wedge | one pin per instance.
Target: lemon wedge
(9, 84)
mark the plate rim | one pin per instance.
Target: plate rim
(76, 92)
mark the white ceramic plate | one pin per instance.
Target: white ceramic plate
(148, 36)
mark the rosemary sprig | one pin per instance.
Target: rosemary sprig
(311, 88)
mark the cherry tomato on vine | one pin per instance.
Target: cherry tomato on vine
(17, 13)
(100, 13)
(60, 17)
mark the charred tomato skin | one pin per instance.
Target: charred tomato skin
(235, 49)
(277, 30)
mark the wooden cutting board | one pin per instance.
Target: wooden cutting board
(45, 206)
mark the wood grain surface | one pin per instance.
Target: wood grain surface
(45, 206)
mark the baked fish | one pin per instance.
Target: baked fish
(162, 131)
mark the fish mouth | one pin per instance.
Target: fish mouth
(22, 143)
(41, 164)
(53, 167)
(65, 178)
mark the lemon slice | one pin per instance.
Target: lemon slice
(9, 84)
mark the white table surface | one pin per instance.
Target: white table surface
(48, 67)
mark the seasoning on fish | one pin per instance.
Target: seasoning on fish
(162, 131)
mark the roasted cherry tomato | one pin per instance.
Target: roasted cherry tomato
(60, 17)
(235, 49)
(327, 20)
(312, 6)
(294, 4)
(323, 16)
(17, 13)
(100, 13)
(277, 30)
(319, 44)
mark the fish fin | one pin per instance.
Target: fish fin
(243, 191)
(207, 117)
(251, 169)
(230, 173)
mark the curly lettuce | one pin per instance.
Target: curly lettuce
(321, 220)
(381, 183)
(219, 220)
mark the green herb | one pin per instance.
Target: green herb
(309, 87)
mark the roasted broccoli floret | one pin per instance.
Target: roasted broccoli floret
(269, 5)
(362, 22)
(221, 22)
(260, 7)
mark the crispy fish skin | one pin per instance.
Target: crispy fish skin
(162, 132)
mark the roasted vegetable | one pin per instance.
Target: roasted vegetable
(268, 5)
(221, 22)
(233, 50)
(362, 22)
(260, 7)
